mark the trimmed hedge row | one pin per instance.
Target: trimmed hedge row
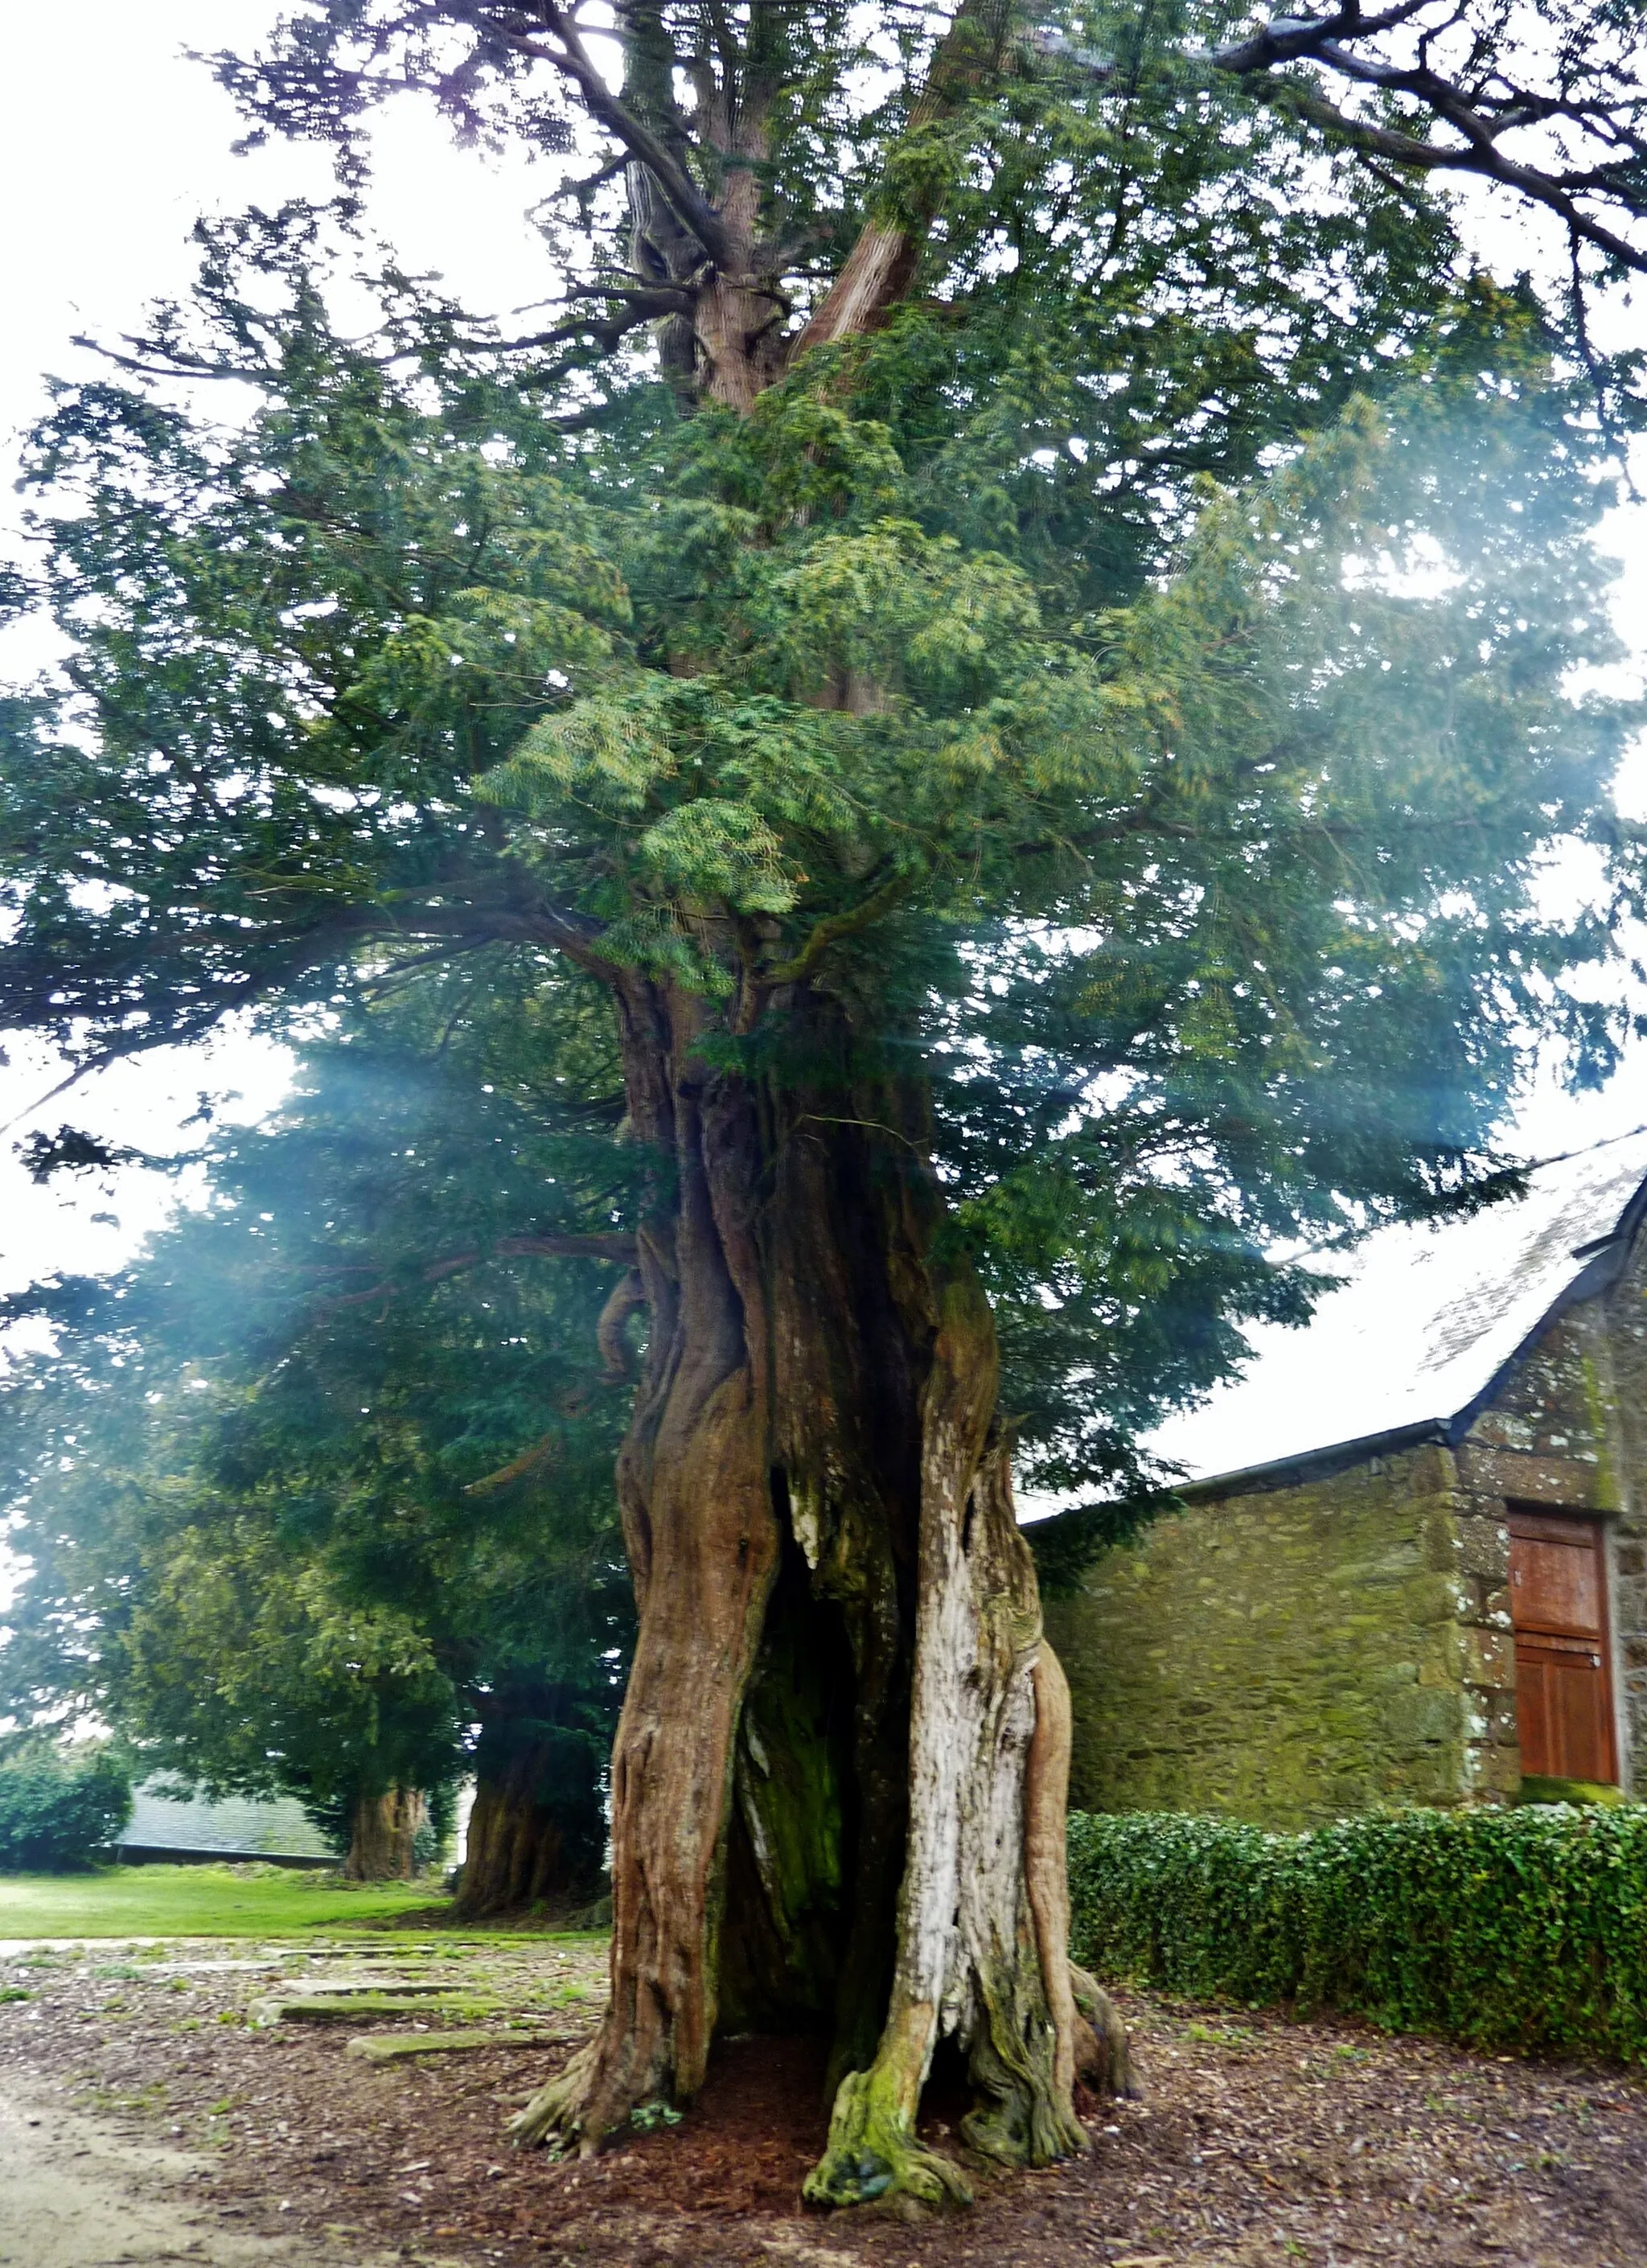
(1524, 1928)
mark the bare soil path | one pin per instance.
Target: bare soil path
(75, 2193)
(223, 2128)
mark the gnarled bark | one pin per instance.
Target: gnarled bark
(537, 1831)
(383, 1836)
(829, 1808)
(838, 1784)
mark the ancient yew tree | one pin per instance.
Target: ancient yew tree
(1004, 658)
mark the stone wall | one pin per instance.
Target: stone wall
(1625, 1383)
(1568, 1430)
(1338, 1640)
(1295, 1655)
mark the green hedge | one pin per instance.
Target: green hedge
(61, 1804)
(1524, 1928)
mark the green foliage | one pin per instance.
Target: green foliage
(1169, 795)
(246, 1492)
(1133, 683)
(1523, 1929)
(61, 1804)
(648, 2118)
(1092, 173)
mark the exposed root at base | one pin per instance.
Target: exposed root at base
(1025, 2130)
(1104, 2057)
(553, 2118)
(872, 2156)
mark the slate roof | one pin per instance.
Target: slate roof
(238, 1827)
(1423, 1329)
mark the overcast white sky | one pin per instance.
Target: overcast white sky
(110, 143)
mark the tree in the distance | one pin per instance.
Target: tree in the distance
(286, 1538)
(1040, 736)
(537, 1830)
(160, 1605)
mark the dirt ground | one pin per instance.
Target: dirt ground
(185, 2113)
(74, 2194)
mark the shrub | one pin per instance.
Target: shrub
(60, 1805)
(1524, 1928)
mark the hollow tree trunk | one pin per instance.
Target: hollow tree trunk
(831, 1788)
(382, 1833)
(538, 1831)
(838, 1784)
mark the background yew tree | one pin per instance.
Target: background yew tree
(283, 1533)
(1008, 645)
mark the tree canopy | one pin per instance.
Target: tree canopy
(1146, 794)
(996, 694)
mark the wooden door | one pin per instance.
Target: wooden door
(1563, 1682)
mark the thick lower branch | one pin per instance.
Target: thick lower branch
(881, 264)
(613, 1246)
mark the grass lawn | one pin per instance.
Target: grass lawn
(197, 1902)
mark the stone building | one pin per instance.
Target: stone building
(1429, 1610)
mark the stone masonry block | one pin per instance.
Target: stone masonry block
(1501, 1429)
(1489, 1657)
(1484, 1547)
(1498, 1774)
(1491, 1604)
(1424, 1715)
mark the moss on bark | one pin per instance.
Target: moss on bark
(872, 2152)
(822, 1813)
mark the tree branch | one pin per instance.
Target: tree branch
(1479, 117)
(1484, 159)
(614, 1247)
(517, 1468)
(465, 927)
(881, 263)
(572, 58)
(833, 927)
(627, 1295)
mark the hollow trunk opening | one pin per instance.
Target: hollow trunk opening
(833, 1776)
(383, 1836)
(537, 1832)
(816, 1826)
(838, 1784)
(792, 1829)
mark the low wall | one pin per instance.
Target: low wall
(1291, 1655)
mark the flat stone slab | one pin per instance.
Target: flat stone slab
(404, 1988)
(371, 2047)
(350, 2007)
